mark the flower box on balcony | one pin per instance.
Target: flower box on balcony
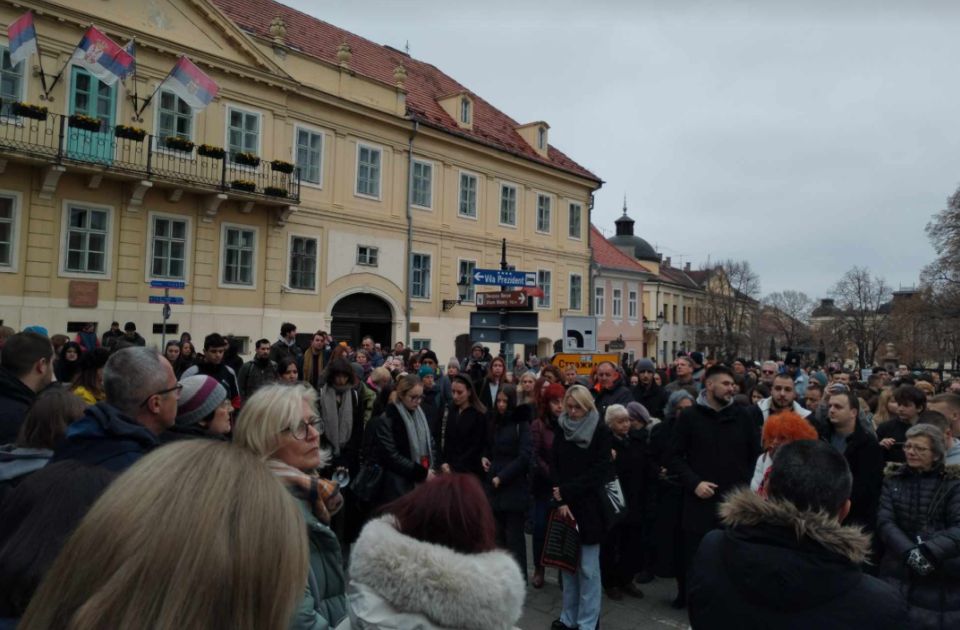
(246, 159)
(281, 167)
(210, 151)
(275, 191)
(36, 112)
(177, 143)
(86, 123)
(243, 185)
(130, 133)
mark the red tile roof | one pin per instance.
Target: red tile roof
(607, 255)
(424, 83)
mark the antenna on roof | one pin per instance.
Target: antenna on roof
(624, 204)
(406, 47)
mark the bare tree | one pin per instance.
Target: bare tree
(731, 305)
(943, 230)
(865, 312)
(789, 314)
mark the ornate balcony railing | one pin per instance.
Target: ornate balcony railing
(68, 140)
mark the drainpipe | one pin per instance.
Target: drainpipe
(408, 306)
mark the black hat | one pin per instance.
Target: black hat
(130, 327)
(793, 358)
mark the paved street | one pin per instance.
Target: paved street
(653, 611)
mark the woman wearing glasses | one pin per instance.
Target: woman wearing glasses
(279, 424)
(919, 525)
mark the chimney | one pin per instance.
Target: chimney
(666, 261)
(686, 266)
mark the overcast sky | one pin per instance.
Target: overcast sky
(804, 137)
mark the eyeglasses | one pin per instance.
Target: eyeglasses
(175, 388)
(915, 448)
(768, 371)
(420, 397)
(300, 431)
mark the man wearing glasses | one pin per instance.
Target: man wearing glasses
(768, 371)
(141, 403)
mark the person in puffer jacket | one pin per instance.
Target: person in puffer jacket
(919, 526)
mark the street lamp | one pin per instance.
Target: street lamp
(462, 287)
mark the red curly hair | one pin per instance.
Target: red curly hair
(787, 426)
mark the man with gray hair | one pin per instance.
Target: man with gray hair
(141, 403)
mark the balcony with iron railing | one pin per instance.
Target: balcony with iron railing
(87, 145)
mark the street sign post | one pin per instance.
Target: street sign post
(166, 299)
(504, 278)
(502, 299)
(579, 334)
(504, 327)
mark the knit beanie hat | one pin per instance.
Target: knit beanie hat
(200, 397)
(638, 412)
(453, 363)
(426, 370)
(646, 365)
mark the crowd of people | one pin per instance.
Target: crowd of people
(384, 489)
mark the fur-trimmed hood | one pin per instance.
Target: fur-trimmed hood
(399, 582)
(893, 469)
(745, 508)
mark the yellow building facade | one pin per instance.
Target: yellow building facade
(404, 183)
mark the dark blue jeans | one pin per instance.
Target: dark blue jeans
(541, 510)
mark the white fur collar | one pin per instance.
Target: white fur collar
(451, 589)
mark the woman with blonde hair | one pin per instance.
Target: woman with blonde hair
(230, 552)
(884, 404)
(279, 424)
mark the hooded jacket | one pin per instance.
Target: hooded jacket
(776, 566)
(400, 583)
(17, 463)
(105, 437)
(765, 404)
(15, 399)
(865, 458)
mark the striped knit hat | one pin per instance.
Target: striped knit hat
(200, 397)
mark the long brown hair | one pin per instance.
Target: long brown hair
(46, 422)
(197, 534)
(471, 392)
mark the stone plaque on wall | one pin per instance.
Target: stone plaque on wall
(83, 294)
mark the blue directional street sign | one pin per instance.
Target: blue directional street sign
(503, 278)
(165, 299)
(168, 284)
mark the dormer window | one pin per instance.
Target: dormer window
(535, 135)
(542, 138)
(466, 114)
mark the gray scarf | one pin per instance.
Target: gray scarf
(580, 432)
(337, 419)
(418, 433)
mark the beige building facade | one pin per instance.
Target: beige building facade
(404, 182)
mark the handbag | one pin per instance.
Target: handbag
(613, 503)
(561, 544)
(366, 485)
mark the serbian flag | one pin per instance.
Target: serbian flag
(23, 38)
(190, 83)
(131, 49)
(103, 57)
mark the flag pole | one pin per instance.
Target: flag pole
(147, 100)
(43, 76)
(135, 96)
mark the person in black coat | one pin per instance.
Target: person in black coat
(582, 465)
(863, 455)
(786, 561)
(465, 434)
(612, 389)
(26, 368)
(507, 465)
(652, 396)
(494, 380)
(714, 449)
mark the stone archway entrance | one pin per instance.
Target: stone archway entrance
(361, 314)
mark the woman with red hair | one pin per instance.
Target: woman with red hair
(779, 429)
(549, 408)
(430, 561)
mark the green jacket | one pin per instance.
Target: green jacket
(324, 603)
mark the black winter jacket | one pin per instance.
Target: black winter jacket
(15, 400)
(619, 395)
(654, 398)
(581, 474)
(925, 506)
(708, 445)
(105, 437)
(634, 472)
(391, 450)
(896, 429)
(865, 458)
(509, 449)
(759, 573)
(465, 440)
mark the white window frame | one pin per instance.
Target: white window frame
(633, 304)
(549, 207)
(546, 302)
(570, 207)
(65, 226)
(542, 138)
(429, 296)
(471, 289)
(616, 303)
(570, 305)
(413, 178)
(419, 343)
(24, 80)
(356, 171)
(226, 133)
(369, 248)
(160, 146)
(223, 257)
(17, 199)
(289, 266)
(516, 204)
(599, 301)
(466, 111)
(188, 245)
(297, 128)
(476, 197)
